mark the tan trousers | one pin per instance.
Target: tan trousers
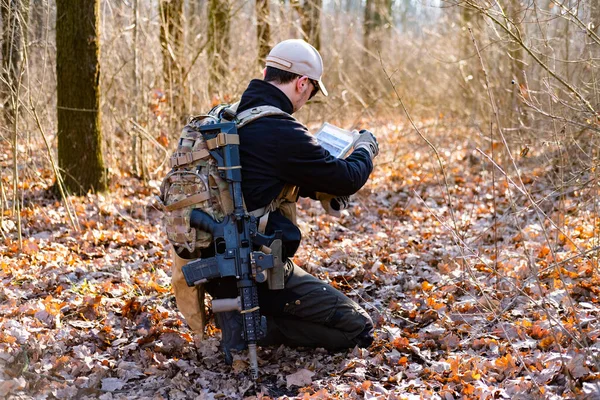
(190, 300)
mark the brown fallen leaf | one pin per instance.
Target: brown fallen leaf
(300, 378)
(239, 366)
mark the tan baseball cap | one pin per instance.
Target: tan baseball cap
(299, 57)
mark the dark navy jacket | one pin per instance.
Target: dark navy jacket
(276, 150)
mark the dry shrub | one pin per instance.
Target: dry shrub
(425, 56)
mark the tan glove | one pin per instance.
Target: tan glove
(366, 140)
(333, 205)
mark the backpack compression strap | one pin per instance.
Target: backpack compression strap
(252, 114)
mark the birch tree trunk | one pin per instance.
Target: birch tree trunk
(78, 95)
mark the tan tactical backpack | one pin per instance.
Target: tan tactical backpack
(195, 182)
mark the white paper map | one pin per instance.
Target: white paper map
(336, 140)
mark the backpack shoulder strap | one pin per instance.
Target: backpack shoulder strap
(252, 114)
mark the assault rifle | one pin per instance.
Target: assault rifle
(240, 250)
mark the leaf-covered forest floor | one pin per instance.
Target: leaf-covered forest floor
(489, 293)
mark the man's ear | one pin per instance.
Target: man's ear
(264, 72)
(300, 83)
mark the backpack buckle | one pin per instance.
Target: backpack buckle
(187, 158)
(221, 139)
(181, 159)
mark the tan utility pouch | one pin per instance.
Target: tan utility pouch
(289, 211)
(190, 300)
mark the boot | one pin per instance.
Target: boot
(232, 333)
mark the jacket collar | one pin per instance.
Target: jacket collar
(261, 93)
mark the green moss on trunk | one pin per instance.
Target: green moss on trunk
(78, 95)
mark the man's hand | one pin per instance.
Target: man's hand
(366, 140)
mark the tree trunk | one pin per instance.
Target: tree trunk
(595, 15)
(353, 6)
(135, 138)
(14, 15)
(171, 41)
(470, 69)
(78, 95)
(263, 30)
(37, 20)
(195, 21)
(311, 23)
(198, 5)
(310, 17)
(518, 113)
(378, 15)
(218, 44)
(406, 16)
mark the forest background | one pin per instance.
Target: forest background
(474, 245)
